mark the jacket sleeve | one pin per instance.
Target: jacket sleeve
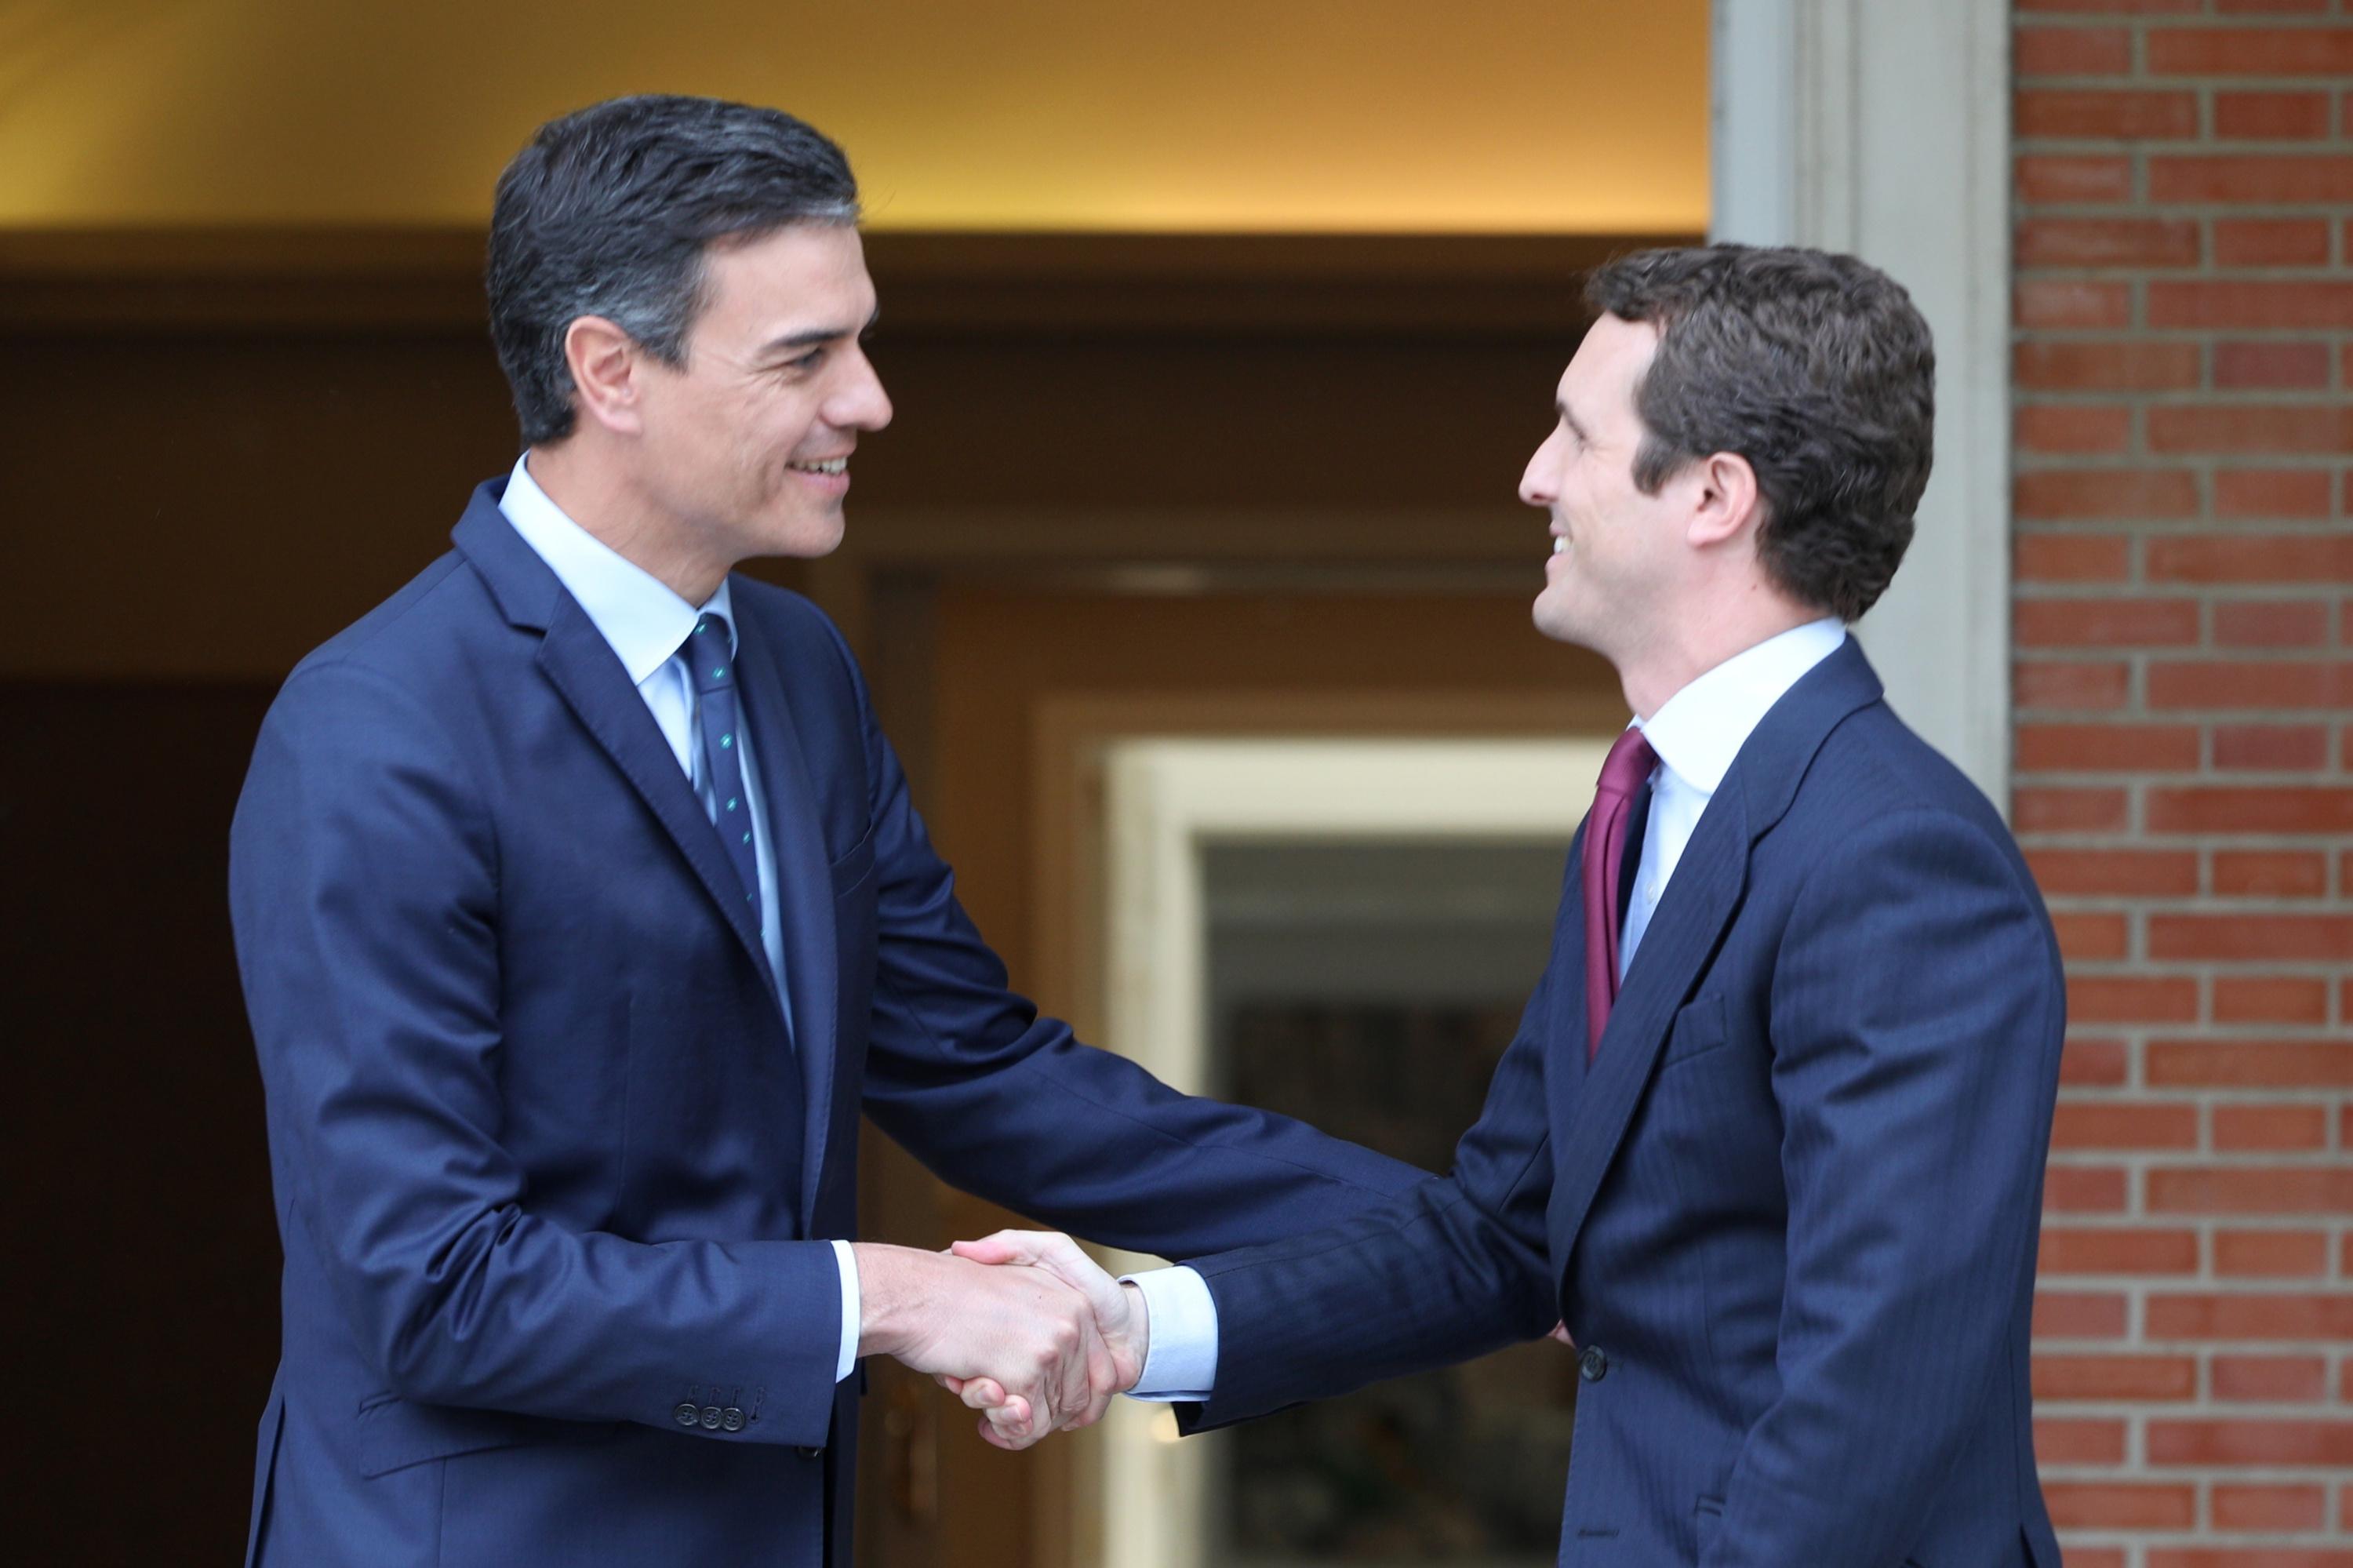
(1452, 1269)
(1917, 1009)
(1004, 1103)
(363, 883)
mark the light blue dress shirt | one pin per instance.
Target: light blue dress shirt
(1696, 734)
(645, 624)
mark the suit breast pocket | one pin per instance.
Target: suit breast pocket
(1697, 1030)
(853, 868)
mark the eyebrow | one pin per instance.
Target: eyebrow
(1570, 420)
(792, 342)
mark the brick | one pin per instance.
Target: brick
(2131, 998)
(2092, 1063)
(2272, 116)
(2105, 747)
(2073, 1250)
(2121, 8)
(2083, 1188)
(2066, 1441)
(2271, 748)
(2293, 366)
(2286, 429)
(2072, 428)
(2270, 1508)
(2232, 1557)
(2249, 683)
(2238, 1129)
(2266, 1443)
(2114, 1377)
(2072, 557)
(2120, 1505)
(2078, 1315)
(2064, 683)
(2080, 1556)
(2070, 302)
(2057, 810)
(2321, 304)
(2251, 51)
(2272, 493)
(2089, 938)
(2072, 51)
(2250, 1063)
(2104, 623)
(2091, 494)
(2275, 938)
(2105, 366)
(2270, 999)
(2105, 873)
(2271, 623)
(2269, 873)
(2105, 1124)
(2107, 242)
(2253, 558)
(2070, 177)
(2251, 1316)
(2104, 114)
(2283, 809)
(2272, 7)
(2270, 1255)
(2251, 1189)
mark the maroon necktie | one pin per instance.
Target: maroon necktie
(1627, 770)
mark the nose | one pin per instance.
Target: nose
(1540, 482)
(858, 402)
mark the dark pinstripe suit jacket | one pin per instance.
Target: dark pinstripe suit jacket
(1788, 1213)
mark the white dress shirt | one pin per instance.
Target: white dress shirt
(644, 624)
(1696, 734)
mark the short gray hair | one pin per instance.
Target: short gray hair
(611, 210)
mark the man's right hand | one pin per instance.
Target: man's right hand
(1022, 1329)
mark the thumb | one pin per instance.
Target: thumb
(1005, 1246)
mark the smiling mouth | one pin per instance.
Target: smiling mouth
(828, 466)
(1560, 544)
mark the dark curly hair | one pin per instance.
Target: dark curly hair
(1818, 369)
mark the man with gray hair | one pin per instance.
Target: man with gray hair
(581, 912)
(1770, 1140)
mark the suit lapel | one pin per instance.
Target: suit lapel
(803, 886)
(580, 664)
(1699, 903)
(1596, 1104)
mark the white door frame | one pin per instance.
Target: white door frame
(1882, 127)
(1164, 798)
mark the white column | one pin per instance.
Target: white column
(1882, 127)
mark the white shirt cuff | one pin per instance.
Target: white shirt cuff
(852, 1311)
(1180, 1363)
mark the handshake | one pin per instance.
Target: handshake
(1021, 1325)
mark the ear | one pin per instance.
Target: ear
(1729, 502)
(607, 373)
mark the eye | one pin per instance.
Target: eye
(808, 361)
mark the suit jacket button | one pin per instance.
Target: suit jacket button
(710, 1418)
(730, 1419)
(806, 1452)
(1593, 1365)
(687, 1415)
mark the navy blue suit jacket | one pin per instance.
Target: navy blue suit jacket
(552, 1178)
(1790, 1211)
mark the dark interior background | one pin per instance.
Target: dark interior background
(216, 450)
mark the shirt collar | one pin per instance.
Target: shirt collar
(635, 611)
(1699, 730)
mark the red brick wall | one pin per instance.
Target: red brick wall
(2184, 691)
